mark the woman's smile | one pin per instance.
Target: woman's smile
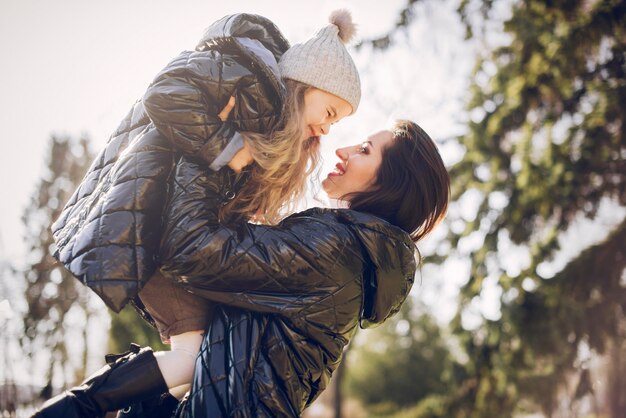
(339, 170)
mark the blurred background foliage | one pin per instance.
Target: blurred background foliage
(544, 151)
(545, 146)
(51, 292)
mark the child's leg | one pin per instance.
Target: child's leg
(179, 316)
(178, 364)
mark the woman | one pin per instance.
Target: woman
(291, 296)
(108, 234)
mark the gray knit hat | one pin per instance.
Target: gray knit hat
(324, 62)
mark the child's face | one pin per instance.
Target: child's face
(322, 109)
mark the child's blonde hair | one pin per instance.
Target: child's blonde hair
(283, 161)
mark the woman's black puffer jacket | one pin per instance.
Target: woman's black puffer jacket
(109, 232)
(289, 299)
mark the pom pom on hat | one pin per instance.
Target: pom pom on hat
(343, 20)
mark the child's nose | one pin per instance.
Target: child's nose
(325, 128)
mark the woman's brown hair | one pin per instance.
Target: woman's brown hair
(412, 186)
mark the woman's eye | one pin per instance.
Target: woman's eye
(364, 149)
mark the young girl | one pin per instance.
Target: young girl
(108, 234)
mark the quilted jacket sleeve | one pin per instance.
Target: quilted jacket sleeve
(296, 255)
(185, 98)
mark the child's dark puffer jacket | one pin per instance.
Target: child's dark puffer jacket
(109, 232)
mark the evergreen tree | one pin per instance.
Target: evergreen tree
(545, 147)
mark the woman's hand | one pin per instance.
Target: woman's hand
(223, 115)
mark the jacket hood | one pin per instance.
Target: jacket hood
(255, 37)
(245, 25)
(232, 28)
(392, 265)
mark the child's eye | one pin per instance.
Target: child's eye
(328, 114)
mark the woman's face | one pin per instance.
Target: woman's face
(356, 172)
(322, 109)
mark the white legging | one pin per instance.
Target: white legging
(177, 365)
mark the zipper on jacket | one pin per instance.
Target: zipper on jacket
(232, 188)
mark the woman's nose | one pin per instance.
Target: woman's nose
(342, 153)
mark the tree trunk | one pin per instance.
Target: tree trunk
(338, 381)
(617, 380)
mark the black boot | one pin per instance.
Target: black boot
(130, 377)
(162, 406)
